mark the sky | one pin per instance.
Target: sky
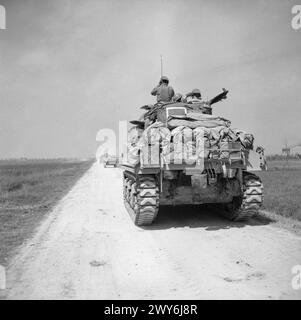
(69, 68)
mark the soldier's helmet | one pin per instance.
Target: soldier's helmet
(164, 79)
(196, 92)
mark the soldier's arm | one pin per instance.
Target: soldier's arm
(154, 91)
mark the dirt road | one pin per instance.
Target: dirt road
(88, 248)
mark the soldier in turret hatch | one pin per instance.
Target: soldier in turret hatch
(163, 91)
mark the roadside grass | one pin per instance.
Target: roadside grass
(282, 188)
(28, 190)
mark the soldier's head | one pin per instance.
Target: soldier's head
(164, 79)
(196, 93)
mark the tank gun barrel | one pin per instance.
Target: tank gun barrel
(219, 97)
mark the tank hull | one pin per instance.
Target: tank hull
(240, 194)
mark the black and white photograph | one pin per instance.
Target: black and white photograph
(150, 152)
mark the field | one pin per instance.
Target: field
(282, 188)
(28, 190)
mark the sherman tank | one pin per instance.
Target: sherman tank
(178, 153)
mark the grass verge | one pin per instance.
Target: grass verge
(282, 188)
(28, 190)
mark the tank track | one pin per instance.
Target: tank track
(249, 204)
(141, 198)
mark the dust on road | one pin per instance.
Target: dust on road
(88, 248)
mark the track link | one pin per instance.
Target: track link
(141, 198)
(245, 207)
